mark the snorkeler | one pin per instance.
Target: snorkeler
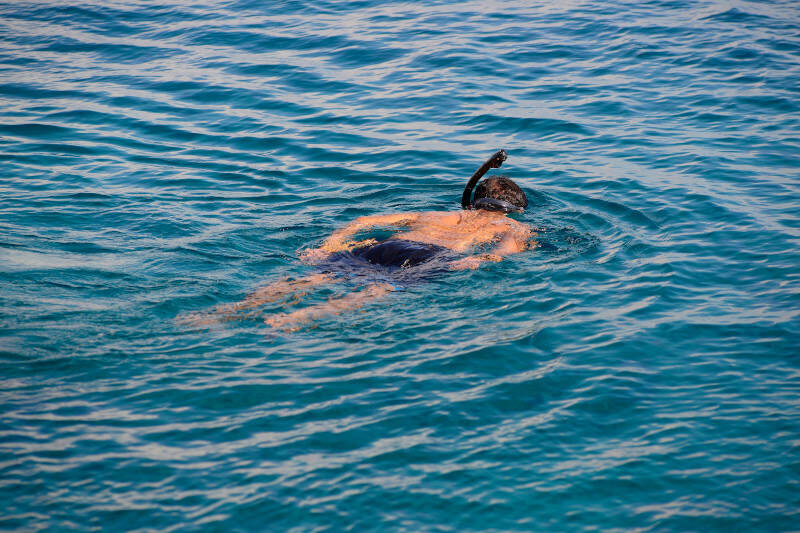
(432, 242)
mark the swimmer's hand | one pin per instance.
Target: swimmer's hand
(314, 255)
(350, 245)
(474, 261)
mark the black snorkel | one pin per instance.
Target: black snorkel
(489, 204)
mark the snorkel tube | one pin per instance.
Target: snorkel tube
(489, 204)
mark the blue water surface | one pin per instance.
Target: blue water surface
(639, 371)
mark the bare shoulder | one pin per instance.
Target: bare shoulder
(518, 225)
(519, 229)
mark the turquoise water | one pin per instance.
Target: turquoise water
(640, 371)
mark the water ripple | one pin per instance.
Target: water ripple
(637, 370)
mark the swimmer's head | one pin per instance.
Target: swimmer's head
(506, 194)
(494, 194)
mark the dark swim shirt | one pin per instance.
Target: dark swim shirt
(399, 253)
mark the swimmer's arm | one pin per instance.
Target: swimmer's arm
(511, 242)
(338, 239)
(474, 261)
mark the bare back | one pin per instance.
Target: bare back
(460, 231)
(457, 231)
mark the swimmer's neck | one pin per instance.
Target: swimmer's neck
(483, 214)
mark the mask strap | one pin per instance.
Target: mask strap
(491, 204)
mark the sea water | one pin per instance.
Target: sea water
(640, 370)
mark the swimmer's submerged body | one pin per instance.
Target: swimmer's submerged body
(425, 242)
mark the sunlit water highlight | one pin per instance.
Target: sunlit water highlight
(638, 371)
